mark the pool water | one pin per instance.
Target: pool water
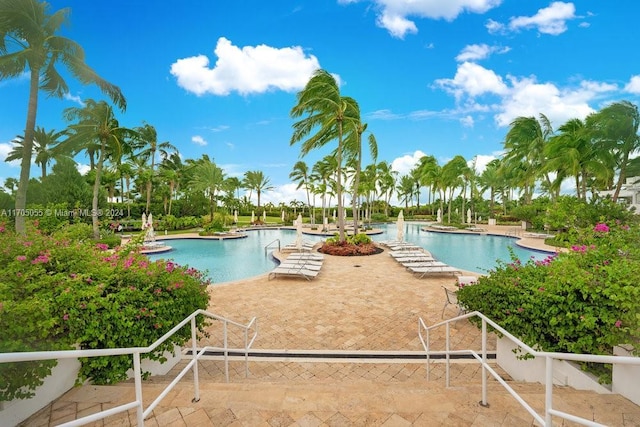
(236, 259)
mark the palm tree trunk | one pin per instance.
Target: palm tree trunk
(96, 192)
(339, 184)
(25, 165)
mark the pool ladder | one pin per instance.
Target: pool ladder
(267, 247)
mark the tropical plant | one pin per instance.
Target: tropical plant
(147, 141)
(29, 40)
(616, 129)
(584, 301)
(255, 180)
(69, 291)
(524, 144)
(209, 179)
(300, 175)
(326, 112)
(96, 122)
(43, 143)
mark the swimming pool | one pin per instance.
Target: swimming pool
(236, 259)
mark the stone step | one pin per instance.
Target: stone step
(360, 402)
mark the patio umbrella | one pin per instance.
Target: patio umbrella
(235, 216)
(282, 216)
(299, 232)
(439, 218)
(150, 236)
(253, 217)
(334, 215)
(264, 215)
(144, 221)
(468, 216)
(400, 225)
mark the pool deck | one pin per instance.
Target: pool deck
(355, 305)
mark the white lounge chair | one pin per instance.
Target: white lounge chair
(404, 254)
(293, 272)
(415, 258)
(305, 265)
(425, 271)
(305, 255)
(421, 264)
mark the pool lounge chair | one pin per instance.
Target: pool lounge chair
(293, 272)
(305, 265)
(420, 264)
(452, 299)
(415, 258)
(404, 254)
(426, 271)
(305, 255)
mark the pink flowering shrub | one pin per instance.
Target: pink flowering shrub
(582, 301)
(57, 292)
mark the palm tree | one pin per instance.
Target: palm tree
(524, 145)
(353, 149)
(616, 130)
(572, 153)
(209, 179)
(326, 112)
(405, 190)
(323, 170)
(428, 170)
(172, 170)
(43, 143)
(300, 175)
(491, 179)
(386, 183)
(96, 122)
(452, 178)
(28, 40)
(148, 141)
(255, 180)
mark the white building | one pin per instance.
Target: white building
(629, 193)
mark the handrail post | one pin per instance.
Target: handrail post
(137, 375)
(484, 363)
(447, 353)
(226, 352)
(194, 353)
(548, 391)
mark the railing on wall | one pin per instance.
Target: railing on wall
(135, 352)
(546, 420)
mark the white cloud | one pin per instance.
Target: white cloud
(404, 164)
(529, 98)
(393, 15)
(467, 121)
(473, 79)
(82, 168)
(512, 97)
(383, 115)
(74, 98)
(247, 70)
(549, 20)
(634, 85)
(5, 149)
(198, 140)
(476, 52)
(482, 160)
(282, 193)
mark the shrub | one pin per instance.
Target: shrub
(584, 301)
(69, 292)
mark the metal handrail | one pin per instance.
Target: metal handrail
(137, 371)
(267, 247)
(548, 356)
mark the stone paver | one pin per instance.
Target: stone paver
(356, 304)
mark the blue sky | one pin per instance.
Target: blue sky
(433, 77)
